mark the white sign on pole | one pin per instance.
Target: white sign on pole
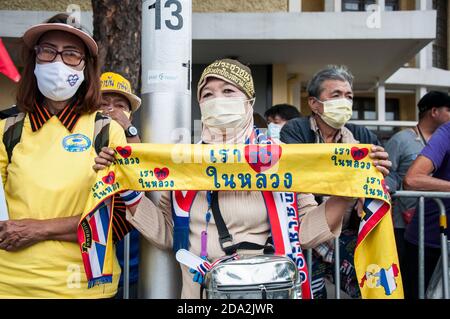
(165, 54)
(165, 115)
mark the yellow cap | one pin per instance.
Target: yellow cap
(115, 83)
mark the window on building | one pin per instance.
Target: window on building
(361, 5)
(440, 44)
(364, 110)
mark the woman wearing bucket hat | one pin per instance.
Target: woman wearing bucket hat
(45, 162)
(226, 95)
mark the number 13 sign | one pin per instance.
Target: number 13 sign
(166, 46)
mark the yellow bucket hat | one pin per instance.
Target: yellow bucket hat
(115, 83)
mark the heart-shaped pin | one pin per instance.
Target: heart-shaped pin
(359, 153)
(73, 79)
(161, 173)
(109, 179)
(124, 151)
(261, 158)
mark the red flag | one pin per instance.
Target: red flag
(7, 66)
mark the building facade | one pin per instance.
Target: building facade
(397, 49)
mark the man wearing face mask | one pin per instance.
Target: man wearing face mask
(330, 99)
(277, 116)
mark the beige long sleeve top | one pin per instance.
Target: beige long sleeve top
(245, 216)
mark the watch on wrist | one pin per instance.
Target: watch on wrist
(131, 131)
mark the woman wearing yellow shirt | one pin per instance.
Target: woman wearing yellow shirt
(48, 177)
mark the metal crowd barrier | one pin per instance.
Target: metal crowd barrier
(436, 196)
(126, 267)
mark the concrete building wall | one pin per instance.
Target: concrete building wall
(8, 92)
(313, 5)
(198, 5)
(407, 4)
(279, 84)
(407, 105)
(44, 5)
(240, 6)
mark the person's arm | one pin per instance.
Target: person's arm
(134, 139)
(319, 224)
(418, 177)
(155, 223)
(432, 157)
(380, 159)
(122, 119)
(393, 180)
(18, 234)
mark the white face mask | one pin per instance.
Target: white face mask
(336, 112)
(274, 130)
(57, 81)
(224, 112)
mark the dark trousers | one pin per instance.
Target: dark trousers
(400, 243)
(133, 293)
(410, 271)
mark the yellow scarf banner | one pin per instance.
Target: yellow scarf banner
(328, 169)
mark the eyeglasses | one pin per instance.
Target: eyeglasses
(48, 54)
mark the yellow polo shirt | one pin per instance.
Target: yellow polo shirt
(50, 176)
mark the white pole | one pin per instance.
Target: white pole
(126, 267)
(380, 99)
(165, 115)
(295, 6)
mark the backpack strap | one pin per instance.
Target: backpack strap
(12, 133)
(101, 132)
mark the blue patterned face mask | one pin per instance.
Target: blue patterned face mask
(57, 81)
(273, 130)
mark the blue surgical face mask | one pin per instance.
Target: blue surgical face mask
(273, 130)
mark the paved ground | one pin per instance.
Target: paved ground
(331, 291)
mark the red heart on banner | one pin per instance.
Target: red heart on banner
(161, 173)
(261, 158)
(109, 179)
(359, 153)
(124, 151)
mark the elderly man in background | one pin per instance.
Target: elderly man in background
(403, 149)
(331, 99)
